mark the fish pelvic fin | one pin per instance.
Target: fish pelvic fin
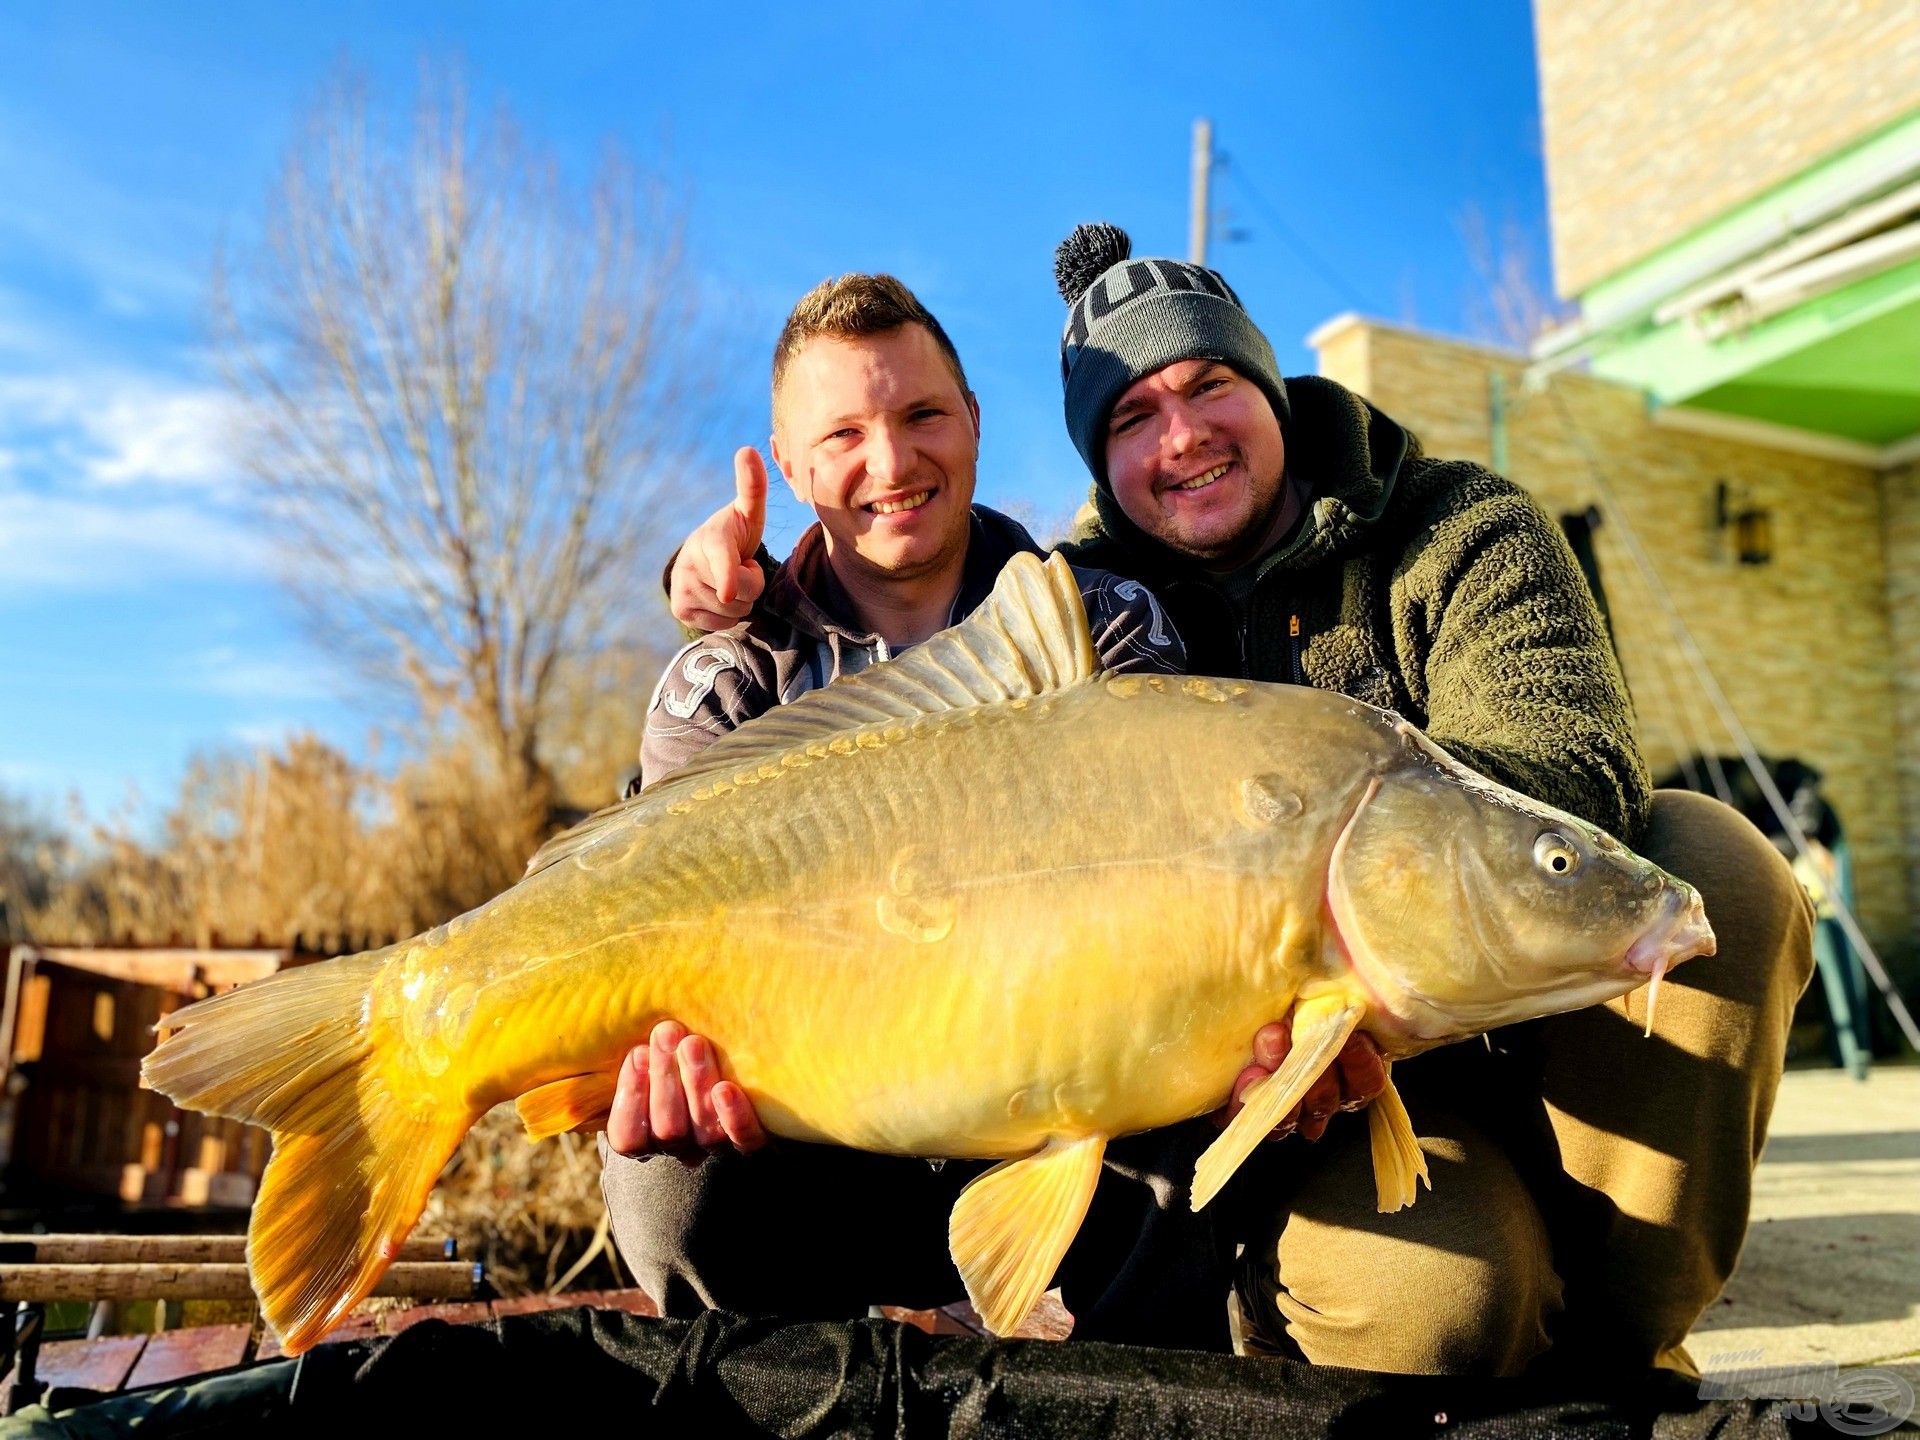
(1319, 1030)
(354, 1154)
(1011, 1227)
(579, 1102)
(1398, 1162)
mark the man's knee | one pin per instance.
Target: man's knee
(1461, 1283)
(654, 1213)
(805, 1230)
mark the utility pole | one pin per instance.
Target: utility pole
(1200, 202)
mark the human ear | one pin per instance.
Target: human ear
(802, 491)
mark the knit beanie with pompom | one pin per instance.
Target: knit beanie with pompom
(1127, 318)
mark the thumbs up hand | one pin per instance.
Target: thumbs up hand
(715, 578)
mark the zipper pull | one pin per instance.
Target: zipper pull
(1293, 626)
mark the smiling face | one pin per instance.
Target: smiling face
(1195, 459)
(878, 436)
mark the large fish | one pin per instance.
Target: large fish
(982, 900)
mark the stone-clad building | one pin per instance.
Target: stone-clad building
(1735, 203)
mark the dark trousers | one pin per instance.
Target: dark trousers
(817, 1232)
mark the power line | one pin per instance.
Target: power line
(1332, 278)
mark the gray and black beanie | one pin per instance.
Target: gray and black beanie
(1127, 318)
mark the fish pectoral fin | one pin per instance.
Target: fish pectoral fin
(1317, 1038)
(1397, 1158)
(1011, 1227)
(579, 1102)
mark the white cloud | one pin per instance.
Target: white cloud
(226, 671)
(119, 542)
(117, 429)
(115, 480)
(171, 436)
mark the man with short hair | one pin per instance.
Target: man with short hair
(877, 431)
(1590, 1188)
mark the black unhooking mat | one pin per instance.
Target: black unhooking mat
(584, 1372)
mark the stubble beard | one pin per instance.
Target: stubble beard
(1248, 539)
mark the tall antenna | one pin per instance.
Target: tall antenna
(1200, 203)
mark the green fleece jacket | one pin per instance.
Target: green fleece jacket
(1431, 587)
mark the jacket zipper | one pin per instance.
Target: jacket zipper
(1295, 670)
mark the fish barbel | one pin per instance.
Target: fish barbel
(979, 901)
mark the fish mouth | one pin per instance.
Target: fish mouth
(1682, 934)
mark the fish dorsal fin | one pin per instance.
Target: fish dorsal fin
(1028, 637)
(569, 843)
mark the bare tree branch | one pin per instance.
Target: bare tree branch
(465, 394)
(1514, 302)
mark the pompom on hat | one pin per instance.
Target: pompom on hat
(1127, 318)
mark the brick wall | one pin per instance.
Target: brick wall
(1901, 498)
(1659, 117)
(1801, 646)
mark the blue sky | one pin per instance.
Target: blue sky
(952, 145)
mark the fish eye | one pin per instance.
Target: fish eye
(1555, 854)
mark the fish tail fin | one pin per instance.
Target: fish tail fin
(354, 1155)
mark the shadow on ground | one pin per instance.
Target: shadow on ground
(1823, 1269)
(1867, 1145)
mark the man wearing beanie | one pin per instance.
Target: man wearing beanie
(1590, 1187)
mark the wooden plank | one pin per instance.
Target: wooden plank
(30, 1029)
(1048, 1320)
(533, 1304)
(223, 969)
(634, 1302)
(458, 1312)
(934, 1322)
(89, 1364)
(360, 1326)
(420, 1280)
(355, 1327)
(82, 1249)
(176, 1354)
(178, 970)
